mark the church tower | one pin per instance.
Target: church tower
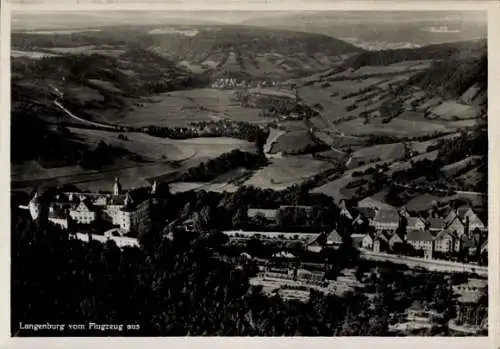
(117, 187)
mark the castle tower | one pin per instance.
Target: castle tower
(117, 187)
(128, 200)
(35, 207)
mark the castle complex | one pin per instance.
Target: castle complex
(128, 211)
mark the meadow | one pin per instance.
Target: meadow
(181, 108)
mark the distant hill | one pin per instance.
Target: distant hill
(383, 29)
(250, 52)
(221, 50)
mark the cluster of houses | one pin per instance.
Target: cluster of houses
(229, 83)
(460, 230)
(387, 229)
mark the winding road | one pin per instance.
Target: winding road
(87, 122)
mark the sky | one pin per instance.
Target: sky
(84, 19)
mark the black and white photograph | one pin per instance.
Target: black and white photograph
(249, 173)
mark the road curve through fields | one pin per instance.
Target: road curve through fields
(88, 122)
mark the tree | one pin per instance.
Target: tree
(259, 219)
(206, 216)
(240, 218)
(299, 216)
(187, 210)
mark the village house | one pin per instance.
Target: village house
(484, 247)
(464, 221)
(435, 224)
(344, 211)
(414, 223)
(455, 225)
(466, 215)
(334, 239)
(365, 215)
(380, 243)
(385, 219)
(403, 212)
(357, 240)
(395, 239)
(470, 243)
(446, 241)
(421, 240)
(315, 245)
(367, 242)
(359, 220)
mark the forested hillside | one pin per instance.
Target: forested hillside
(430, 52)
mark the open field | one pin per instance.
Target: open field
(422, 202)
(396, 127)
(228, 182)
(335, 187)
(452, 169)
(471, 177)
(156, 148)
(431, 156)
(397, 68)
(382, 152)
(452, 110)
(180, 108)
(286, 171)
(274, 134)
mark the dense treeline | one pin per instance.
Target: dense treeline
(229, 210)
(220, 128)
(224, 163)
